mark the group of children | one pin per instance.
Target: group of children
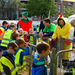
(13, 49)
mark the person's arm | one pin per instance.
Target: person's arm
(6, 70)
(39, 70)
(54, 36)
(26, 52)
(49, 34)
(68, 29)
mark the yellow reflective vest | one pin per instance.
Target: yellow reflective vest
(19, 67)
(31, 39)
(7, 63)
(6, 38)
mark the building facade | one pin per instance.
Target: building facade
(60, 5)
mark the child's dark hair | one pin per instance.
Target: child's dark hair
(20, 41)
(12, 44)
(60, 19)
(47, 20)
(4, 22)
(14, 35)
(42, 46)
(12, 25)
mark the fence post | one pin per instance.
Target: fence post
(35, 37)
(30, 55)
(53, 61)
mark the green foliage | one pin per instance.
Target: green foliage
(40, 7)
(68, 12)
(10, 5)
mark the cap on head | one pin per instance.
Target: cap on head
(25, 14)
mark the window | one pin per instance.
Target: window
(12, 14)
(63, 10)
(53, 18)
(0, 4)
(61, 1)
(59, 8)
(55, 0)
(5, 14)
(69, 3)
(68, 7)
(0, 14)
(36, 17)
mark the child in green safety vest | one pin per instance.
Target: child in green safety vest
(20, 59)
(45, 39)
(31, 39)
(14, 36)
(7, 60)
(39, 67)
(7, 37)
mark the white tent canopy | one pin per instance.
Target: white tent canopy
(70, 18)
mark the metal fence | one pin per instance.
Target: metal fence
(57, 64)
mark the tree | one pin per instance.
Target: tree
(41, 7)
(10, 5)
(68, 13)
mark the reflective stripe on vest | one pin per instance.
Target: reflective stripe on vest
(2, 34)
(31, 40)
(6, 38)
(7, 63)
(19, 67)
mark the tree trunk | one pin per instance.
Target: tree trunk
(2, 15)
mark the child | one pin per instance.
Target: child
(7, 37)
(7, 60)
(25, 36)
(39, 67)
(45, 39)
(14, 36)
(20, 60)
(31, 39)
(20, 30)
(40, 35)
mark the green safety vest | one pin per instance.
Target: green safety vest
(19, 67)
(73, 69)
(2, 29)
(40, 40)
(6, 38)
(38, 29)
(0, 64)
(31, 39)
(7, 63)
(12, 40)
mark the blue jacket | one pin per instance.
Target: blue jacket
(23, 53)
(5, 53)
(13, 40)
(39, 70)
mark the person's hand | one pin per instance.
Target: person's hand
(27, 44)
(74, 50)
(40, 35)
(62, 38)
(74, 38)
(54, 39)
